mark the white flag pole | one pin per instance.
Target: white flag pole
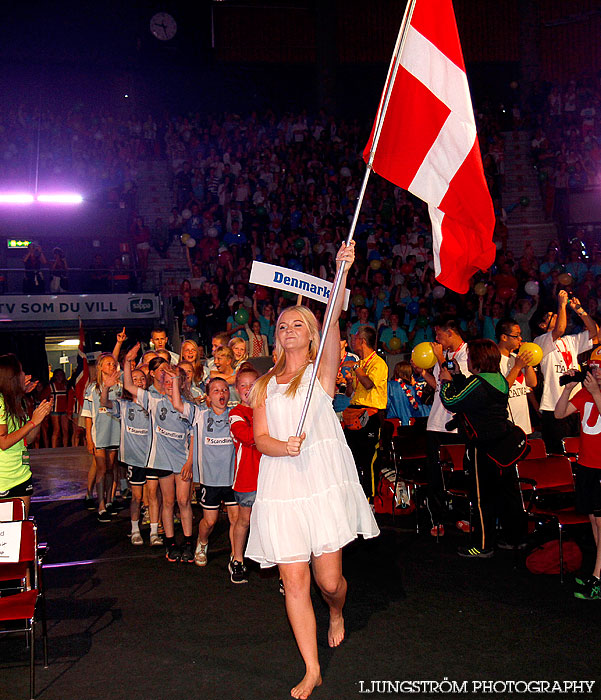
(381, 114)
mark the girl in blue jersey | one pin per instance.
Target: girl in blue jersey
(134, 447)
(102, 433)
(170, 459)
(213, 459)
(189, 389)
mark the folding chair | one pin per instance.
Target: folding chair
(537, 449)
(571, 447)
(451, 462)
(12, 509)
(545, 479)
(24, 605)
(407, 445)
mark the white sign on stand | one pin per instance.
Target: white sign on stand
(293, 281)
(10, 542)
(6, 512)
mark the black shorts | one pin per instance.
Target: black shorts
(136, 475)
(154, 474)
(20, 490)
(211, 497)
(588, 490)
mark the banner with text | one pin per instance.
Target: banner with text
(292, 281)
(70, 307)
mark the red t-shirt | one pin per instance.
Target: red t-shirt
(247, 455)
(589, 453)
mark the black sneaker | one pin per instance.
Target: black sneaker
(187, 554)
(104, 516)
(238, 573)
(590, 591)
(502, 544)
(173, 553)
(89, 503)
(475, 552)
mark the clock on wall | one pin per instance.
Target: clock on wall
(163, 26)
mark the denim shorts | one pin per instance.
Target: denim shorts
(245, 498)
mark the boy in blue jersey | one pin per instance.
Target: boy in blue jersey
(213, 460)
(169, 457)
(133, 450)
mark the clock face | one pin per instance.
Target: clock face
(163, 26)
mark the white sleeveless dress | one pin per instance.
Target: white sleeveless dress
(313, 503)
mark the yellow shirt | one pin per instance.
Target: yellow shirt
(377, 370)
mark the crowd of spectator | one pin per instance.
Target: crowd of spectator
(95, 153)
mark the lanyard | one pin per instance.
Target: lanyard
(456, 351)
(367, 360)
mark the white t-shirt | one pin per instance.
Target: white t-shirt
(439, 416)
(558, 358)
(517, 408)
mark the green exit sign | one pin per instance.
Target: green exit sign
(12, 243)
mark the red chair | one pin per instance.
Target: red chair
(406, 446)
(15, 507)
(451, 462)
(25, 604)
(542, 480)
(537, 449)
(571, 447)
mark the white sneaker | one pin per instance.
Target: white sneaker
(200, 554)
(136, 538)
(156, 541)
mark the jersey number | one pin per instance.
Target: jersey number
(163, 413)
(209, 425)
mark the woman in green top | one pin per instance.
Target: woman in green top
(15, 474)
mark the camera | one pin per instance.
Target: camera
(450, 365)
(578, 376)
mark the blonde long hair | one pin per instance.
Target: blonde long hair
(197, 364)
(259, 390)
(99, 362)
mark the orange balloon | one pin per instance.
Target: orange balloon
(565, 278)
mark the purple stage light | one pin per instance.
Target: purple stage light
(60, 198)
(15, 198)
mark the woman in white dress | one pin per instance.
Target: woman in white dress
(309, 501)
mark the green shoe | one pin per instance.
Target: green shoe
(591, 590)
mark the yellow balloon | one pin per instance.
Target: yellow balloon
(480, 289)
(536, 350)
(394, 343)
(423, 356)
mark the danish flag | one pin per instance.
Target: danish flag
(428, 144)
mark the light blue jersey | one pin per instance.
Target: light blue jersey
(169, 432)
(214, 455)
(105, 426)
(135, 432)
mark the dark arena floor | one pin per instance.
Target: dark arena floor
(125, 623)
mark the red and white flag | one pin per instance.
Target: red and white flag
(428, 145)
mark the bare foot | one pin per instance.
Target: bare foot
(336, 631)
(305, 687)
